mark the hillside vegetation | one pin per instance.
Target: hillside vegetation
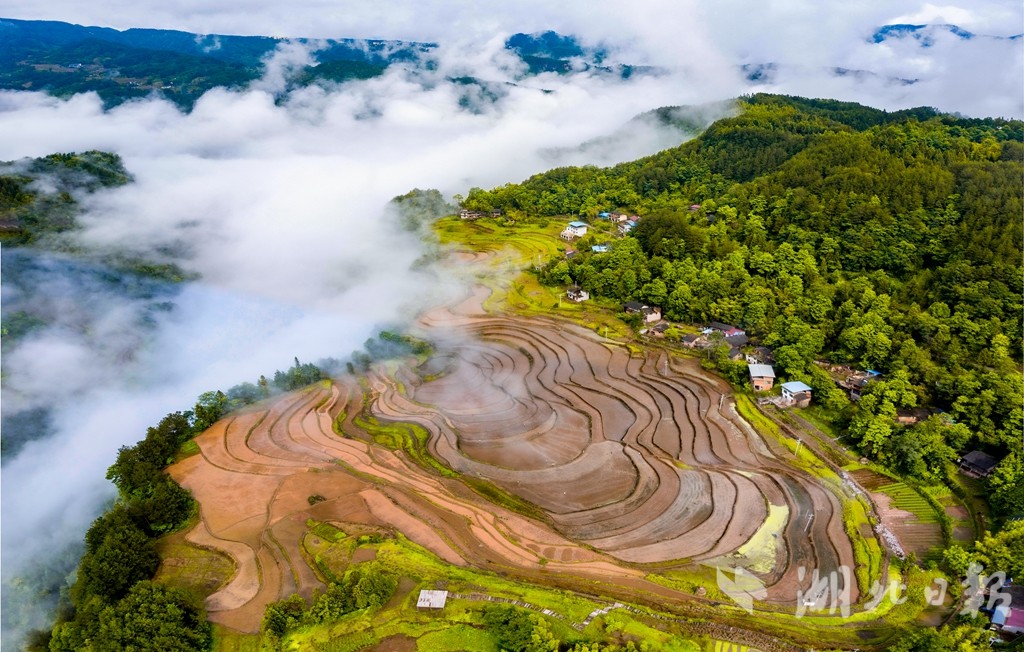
(831, 231)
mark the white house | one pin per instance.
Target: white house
(627, 226)
(577, 294)
(574, 230)
(651, 314)
(796, 392)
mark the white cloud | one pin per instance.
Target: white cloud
(278, 203)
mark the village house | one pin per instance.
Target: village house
(1008, 620)
(796, 393)
(978, 464)
(651, 314)
(599, 249)
(857, 381)
(577, 294)
(735, 354)
(760, 354)
(737, 340)
(727, 330)
(574, 230)
(1008, 616)
(626, 227)
(693, 341)
(659, 330)
(762, 377)
(910, 417)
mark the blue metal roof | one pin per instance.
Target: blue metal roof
(795, 386)
(1000, 615)
(577, 224)
(599, 249)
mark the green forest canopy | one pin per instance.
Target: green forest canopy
(830, 230)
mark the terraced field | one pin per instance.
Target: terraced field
(641, 457)
(634, 463)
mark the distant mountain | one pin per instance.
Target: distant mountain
(64, 59)
(120, 65)
(926, 34)
(768, 73)
(553, 52)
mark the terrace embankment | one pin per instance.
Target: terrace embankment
(637, 462)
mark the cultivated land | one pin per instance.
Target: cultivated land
(535, 450)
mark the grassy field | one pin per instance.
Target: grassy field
(867, 553)
(228, 640)
(456, 639)
(725, 646)
(514, 251)
(197, 570)
(410, 438)
(520, 243)
(909, 500)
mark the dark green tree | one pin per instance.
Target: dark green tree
(152, 617)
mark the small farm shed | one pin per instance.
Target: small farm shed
(432, 599)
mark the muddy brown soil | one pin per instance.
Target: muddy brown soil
(634, 460)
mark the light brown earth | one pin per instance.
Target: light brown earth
(914, 535)
(635, 459)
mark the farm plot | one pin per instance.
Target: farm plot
(640, 457)
(258, 472)
(628, 462)
(904, 512)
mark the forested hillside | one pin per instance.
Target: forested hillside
(831, 231)
(51, 280)
(37, 195)
(65, 59)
